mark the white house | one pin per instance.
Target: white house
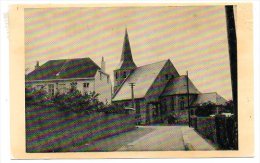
(60, 75)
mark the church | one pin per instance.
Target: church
(158, 93)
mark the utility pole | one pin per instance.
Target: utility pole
(133, 101)
(132, 93)
(188, 96)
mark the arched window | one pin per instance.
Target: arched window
(181, 103)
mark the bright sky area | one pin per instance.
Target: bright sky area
(193, 38)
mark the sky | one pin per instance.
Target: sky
(193, 38)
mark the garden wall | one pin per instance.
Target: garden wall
(220, 130)
(207, 128)
(50, 130)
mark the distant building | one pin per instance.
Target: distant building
(60, 75)
(160, 92)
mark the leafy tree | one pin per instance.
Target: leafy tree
(229, 106)
(35, 96)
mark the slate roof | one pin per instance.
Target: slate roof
(65, 69)
(178, 85)
(209, 97)
(143, 77)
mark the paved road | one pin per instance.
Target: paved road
(115, 142)
(162, 138)
(150, 138)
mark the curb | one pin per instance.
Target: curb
(186, 141)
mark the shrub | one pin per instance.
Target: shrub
(113, 108)
(205, 109)
(74, 101)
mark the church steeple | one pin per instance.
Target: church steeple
(126, 65)
(126, 61)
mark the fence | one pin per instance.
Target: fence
(49, 130)
(221, 130)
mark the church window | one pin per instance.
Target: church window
(181, 103)
(124, 75)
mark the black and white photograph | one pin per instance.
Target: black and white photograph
(158, 78)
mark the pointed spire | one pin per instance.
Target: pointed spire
(126, 61)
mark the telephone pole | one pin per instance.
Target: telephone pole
(132, 93)
(188, 96)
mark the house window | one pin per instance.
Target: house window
(73, 85)
(116, 75)
(62, 88)
(107, 79)
(85, 85)
(51, 89)
(166, 76)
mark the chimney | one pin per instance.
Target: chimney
(103, 65)
(37, 65)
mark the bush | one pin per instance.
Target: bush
(205, 109)
(74, 101)
(113, 108)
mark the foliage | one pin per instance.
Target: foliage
(74, 101)
(36, 96)
(205, 109)
(113, 108)
(229, 106)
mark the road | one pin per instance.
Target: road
(162, 138)
(144, 138)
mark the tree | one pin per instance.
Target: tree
(35, 96)
(229, 106)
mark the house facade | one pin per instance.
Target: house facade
(161, 94)
(60, 75)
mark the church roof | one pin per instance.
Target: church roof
(209, 97)
(143, 77)
(126, 61)
(65, 69)
(178, 85)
